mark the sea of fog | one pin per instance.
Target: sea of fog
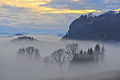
(14, 67)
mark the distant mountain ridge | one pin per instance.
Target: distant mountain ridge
(88, 27)
(15, 31)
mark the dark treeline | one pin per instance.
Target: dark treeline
(88, 27)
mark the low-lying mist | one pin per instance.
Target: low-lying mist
(14, 66)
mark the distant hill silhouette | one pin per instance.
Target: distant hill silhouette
(88, 27)
(24, 38)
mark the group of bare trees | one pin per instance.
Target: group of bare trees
(29, 51)
(71, 54)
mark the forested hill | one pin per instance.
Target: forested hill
(88, 27)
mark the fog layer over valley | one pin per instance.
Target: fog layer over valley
(14, 66)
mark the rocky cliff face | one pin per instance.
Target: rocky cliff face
(88, 27)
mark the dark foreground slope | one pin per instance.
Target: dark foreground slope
(103, 27)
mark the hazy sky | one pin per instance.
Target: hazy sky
(54, 15)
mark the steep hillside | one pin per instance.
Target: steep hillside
(88, 27)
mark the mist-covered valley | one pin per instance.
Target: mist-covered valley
(17, 64)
